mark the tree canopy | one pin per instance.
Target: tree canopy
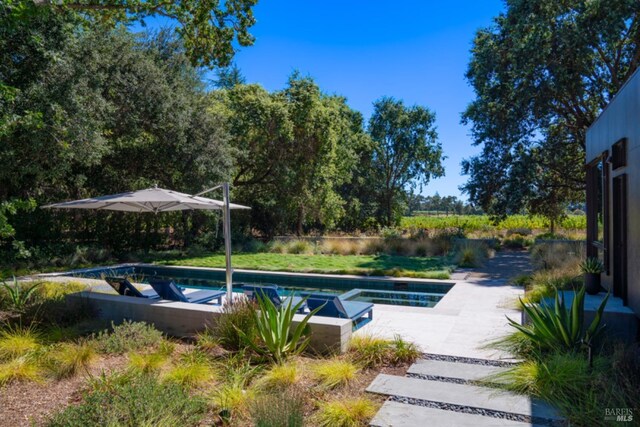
(208, 28)
(89, 109)
(407, 152)
(542, 73)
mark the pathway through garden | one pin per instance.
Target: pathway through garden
(442, 388)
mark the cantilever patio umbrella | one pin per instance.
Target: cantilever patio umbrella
(157, 200)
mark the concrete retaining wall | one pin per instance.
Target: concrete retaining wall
(183, 319)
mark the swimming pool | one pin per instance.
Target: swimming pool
(379, 290)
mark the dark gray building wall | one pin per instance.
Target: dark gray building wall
(621, 119)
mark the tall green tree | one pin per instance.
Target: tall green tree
(542, 73)
(208, 28)
(295, 148)
(112, 112)
(406, 153)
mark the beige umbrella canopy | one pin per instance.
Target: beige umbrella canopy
(155, 200)
(152, 200)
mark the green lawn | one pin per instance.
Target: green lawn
(380, 265)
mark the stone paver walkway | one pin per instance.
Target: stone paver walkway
(442, 390)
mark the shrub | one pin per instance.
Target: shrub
(521, 231)
(66, 360)
(278, 338)
(280, 377)
(284, 409)
(22, 368)
(345, 413)
(128, 336)
(133, 400)
(334, 373)
(17, 342)
(559, 329)
(471, 253)
(239, 316)
(517, 241)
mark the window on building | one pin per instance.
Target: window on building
(619, 154)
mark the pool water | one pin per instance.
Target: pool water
(416, 293)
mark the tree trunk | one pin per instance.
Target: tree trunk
(300, 221)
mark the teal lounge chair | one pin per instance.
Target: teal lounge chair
(332, 306)
(169, 291)
(124, 287)
(271, 292)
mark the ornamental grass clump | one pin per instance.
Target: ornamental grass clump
(18, 341)
(370, 351)
(193, 369)
(23, 368)
(239, 316)
(334, 373)
(67, 359)
(280, 377)
(283, 409)
(471, 253)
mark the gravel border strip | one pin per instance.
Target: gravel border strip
(437, 378)
(476, 411)
(469, 360)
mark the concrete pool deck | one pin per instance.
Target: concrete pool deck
(470, 315)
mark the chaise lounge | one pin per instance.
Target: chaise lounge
(124, 287)
(333, 306)
(270, 292)
(168, 290)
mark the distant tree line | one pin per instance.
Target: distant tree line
(418, 204)
(89, 108)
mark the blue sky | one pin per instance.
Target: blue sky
(416, 51)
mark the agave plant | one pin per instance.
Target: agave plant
(18, 296)
(558, 329)
(592, 266)
(278, 338)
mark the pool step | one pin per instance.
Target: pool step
(461, 396)
(399, 414)
(446, 370)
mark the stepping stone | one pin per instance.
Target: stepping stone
(461, 371)
(462, 394)
(396, 414)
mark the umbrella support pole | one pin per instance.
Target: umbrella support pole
(226, 223)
